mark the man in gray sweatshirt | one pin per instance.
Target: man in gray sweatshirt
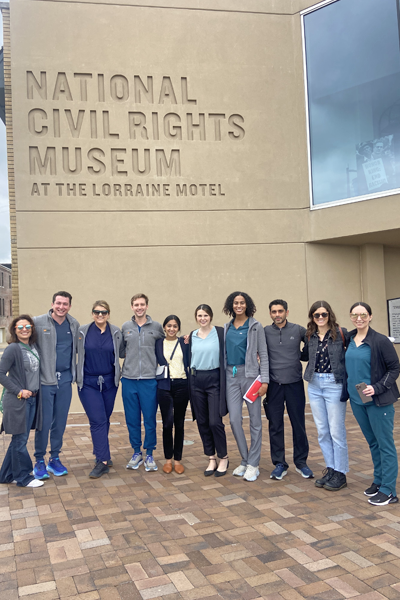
(139, 384)
(56, 331)
(284, 341)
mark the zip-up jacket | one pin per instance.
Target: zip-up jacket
(284, 352)
(336, 350)
(137, 348)
(385, 368)
(256, 361)
(80, 347)
(14, 409)
(47, 343)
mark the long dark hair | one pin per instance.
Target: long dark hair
(228, 306)
(332, 324)
(13, 336)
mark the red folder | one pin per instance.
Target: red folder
(252, 393)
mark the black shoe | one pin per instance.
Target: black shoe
(336, 482)
(381, 499)
(109, 463)
(222, 473)
(372, 490)
(211, 471)
(326, 475)
(99, 470)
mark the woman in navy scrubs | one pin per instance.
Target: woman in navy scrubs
(97, 378)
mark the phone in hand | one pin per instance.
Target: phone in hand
(360, 387)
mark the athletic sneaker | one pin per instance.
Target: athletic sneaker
(136, 461)
(109, 462)
(279, 472)
(35, 483)
(372, 490)
(56, 467)
(239, 471)
(150, 464)
(39, 470)
(381, 499)
(305, 472)
(251, 473)
(99, 470)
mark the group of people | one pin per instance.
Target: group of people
(214, 368)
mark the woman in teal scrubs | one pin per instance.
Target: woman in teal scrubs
(372, 361)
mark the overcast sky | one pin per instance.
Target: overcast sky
(5, 249)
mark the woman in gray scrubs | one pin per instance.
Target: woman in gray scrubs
(246, 359)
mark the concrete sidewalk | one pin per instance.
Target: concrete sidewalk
(133, 535)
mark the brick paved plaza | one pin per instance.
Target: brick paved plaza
(133, 535)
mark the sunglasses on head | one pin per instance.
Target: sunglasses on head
(320, 315)
(103, 313)
(27, 327)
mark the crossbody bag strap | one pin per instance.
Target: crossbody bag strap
(173, 351)
(30, 350)
(341, 333)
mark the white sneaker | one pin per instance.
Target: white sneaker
(239, 471)
(251, 473)
(35, 483)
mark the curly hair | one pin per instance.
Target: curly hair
(13, 339)
(228, 306)
(332, 324)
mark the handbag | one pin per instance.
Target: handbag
(162, 371)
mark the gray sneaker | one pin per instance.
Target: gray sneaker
(150, 464)
(136, 461)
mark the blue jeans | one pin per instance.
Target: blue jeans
(140, 396)
(17, 464)
(376, 423)
(56, 401)
(329, 417)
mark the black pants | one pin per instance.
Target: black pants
(205, 400)
(173, 404)
(293, 395)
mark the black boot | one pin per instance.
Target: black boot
(326, 475)
(336, 482)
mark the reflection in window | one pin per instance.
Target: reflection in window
(353, 79)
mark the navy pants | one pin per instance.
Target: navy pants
(205, 400)
(173, 404)
(99, 404)
(56, 401)
(140, 396)
(293, 395)
(17, 464)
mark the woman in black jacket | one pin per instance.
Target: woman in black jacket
(325, 373)
(372, 367)
(20, 376)
(173, 391)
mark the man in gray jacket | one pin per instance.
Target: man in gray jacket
(284, 341)
(139, 384)
(56, 331)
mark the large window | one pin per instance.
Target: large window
(352, 56)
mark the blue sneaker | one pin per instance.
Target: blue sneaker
(279, 472)
(39, 470)
(305, 472)
(56, 467)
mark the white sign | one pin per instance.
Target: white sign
(375, 174)
(394, 319)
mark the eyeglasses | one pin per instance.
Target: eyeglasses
(27, 327)
(362, 316)
(103, 313)
(320, 315)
